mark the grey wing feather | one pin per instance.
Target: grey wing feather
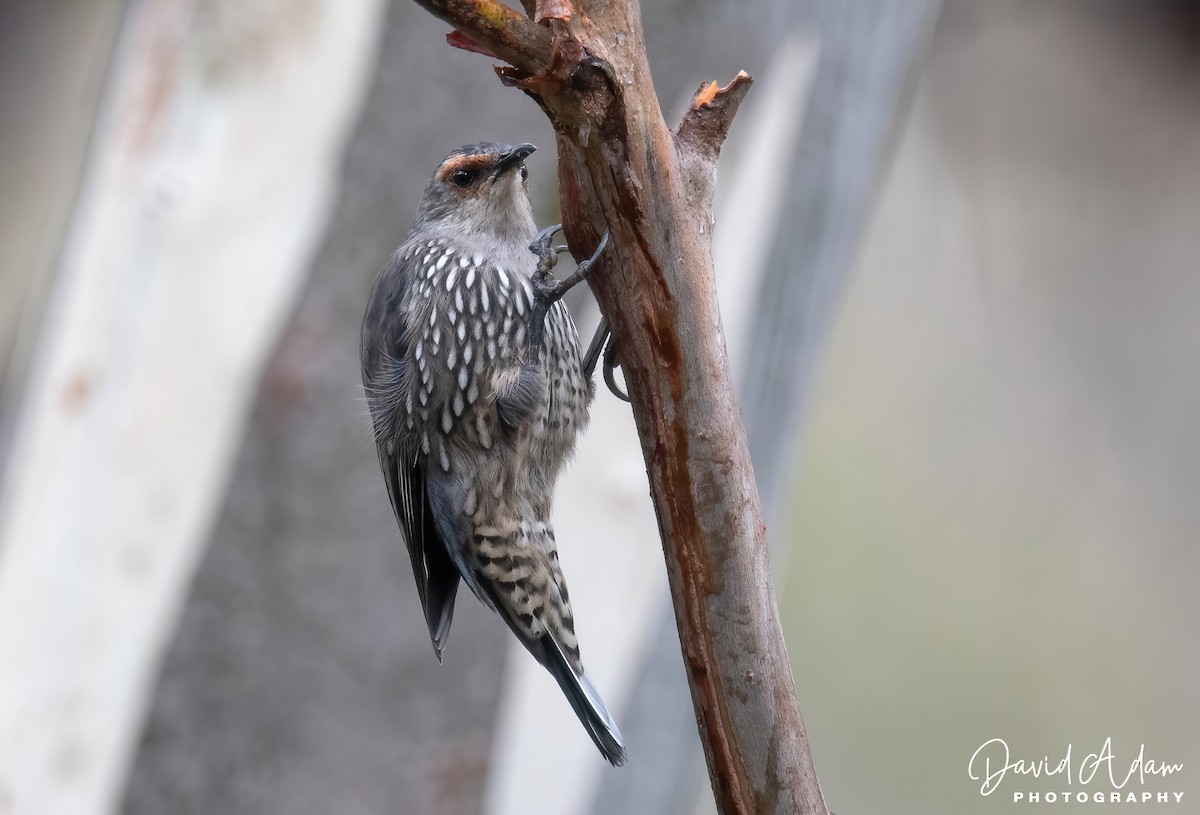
(384, 353)
(435, 572)
(446, 500)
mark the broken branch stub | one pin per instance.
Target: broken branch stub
(708, 118)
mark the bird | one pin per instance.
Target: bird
(477, 389)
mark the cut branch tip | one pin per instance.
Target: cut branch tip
(711, 93)
(707, 121)
(705, 95)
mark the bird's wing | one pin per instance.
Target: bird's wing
(435, 572)
(445, 500)
(386, 373)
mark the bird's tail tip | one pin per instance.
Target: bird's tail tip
(599, 722)
(586, 702)
(578, 688)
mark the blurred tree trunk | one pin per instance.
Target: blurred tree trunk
(169, 292)
(53, 60)
(295, 681)
(301, 678)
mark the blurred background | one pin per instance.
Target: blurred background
(959, 250)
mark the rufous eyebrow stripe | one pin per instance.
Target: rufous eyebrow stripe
(477, 162)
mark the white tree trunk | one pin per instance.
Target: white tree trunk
(209, 183)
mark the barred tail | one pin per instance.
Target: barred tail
(576, 686)
(519, 574)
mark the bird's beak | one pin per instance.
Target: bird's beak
(512, 159)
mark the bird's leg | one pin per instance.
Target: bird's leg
(592, 356)
(547, 255)
(556, 289)
(545, 287)
(549, 290)
(546, 290)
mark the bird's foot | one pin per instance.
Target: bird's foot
(547, 254)
(546, 289)
(602, 345)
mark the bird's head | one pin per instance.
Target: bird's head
(481, 189)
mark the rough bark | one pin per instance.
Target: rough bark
(868, 57)
(622, 169)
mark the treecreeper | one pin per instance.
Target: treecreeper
(478, 387)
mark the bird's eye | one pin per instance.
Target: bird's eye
(463, 178)
(524, 172)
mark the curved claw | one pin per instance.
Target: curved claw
(542, 242)
(547, 254)
(602, 345)
(599, 249)
(610, 366)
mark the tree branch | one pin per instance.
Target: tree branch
(622, 169)
(711, 113)
(496, 30)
